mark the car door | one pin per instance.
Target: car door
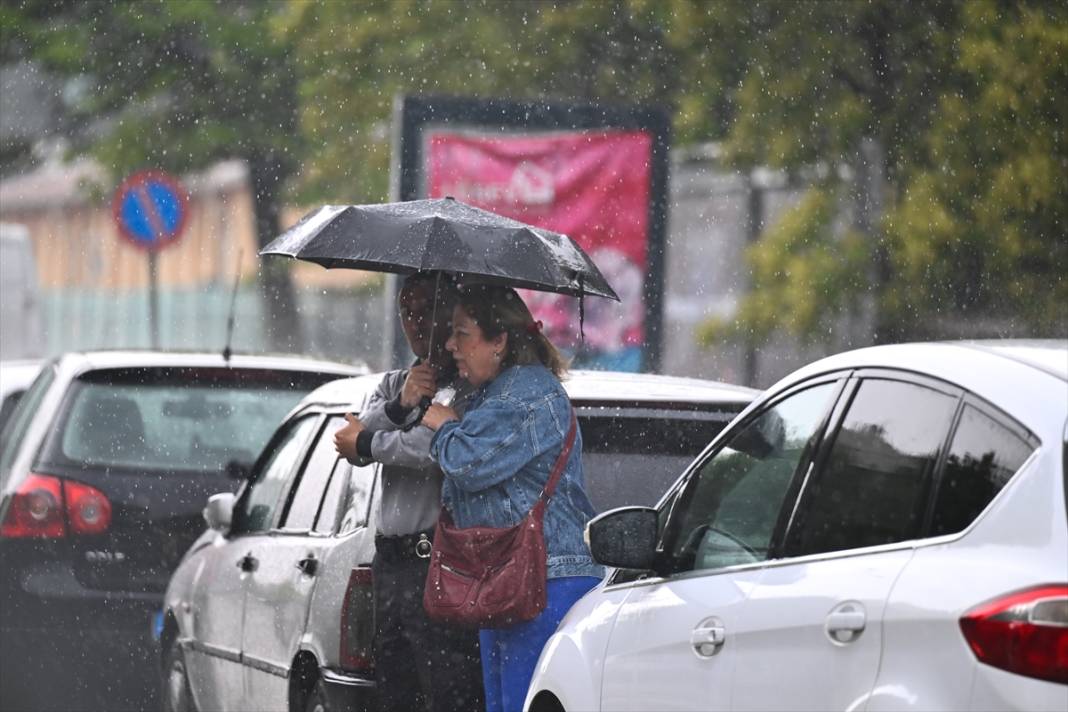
(813, 623)
(218, 600)
(672, 646)
(280, 589)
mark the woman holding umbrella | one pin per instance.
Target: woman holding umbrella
(497, 460)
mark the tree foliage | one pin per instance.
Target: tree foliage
(177, 86)
(962, 99)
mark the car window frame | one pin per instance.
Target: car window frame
(1000, 417)
(372, 499)
(289, 496)
(677, 498)
(258, 468)
(818, 467)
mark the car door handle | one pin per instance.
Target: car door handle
(309, 565)
(708, 637)
(248, 562)
(846, 622)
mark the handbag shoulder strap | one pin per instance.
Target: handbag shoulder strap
(561, 461)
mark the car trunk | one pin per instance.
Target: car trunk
(155, 444)
(154, 519)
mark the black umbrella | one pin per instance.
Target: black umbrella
(442, 235)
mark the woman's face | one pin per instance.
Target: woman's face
(477, 358)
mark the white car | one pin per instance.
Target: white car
(884, 529)
(15, 378)
(272, 608)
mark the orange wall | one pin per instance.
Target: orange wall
(76, 244)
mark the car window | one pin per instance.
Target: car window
(730, 512)
(872, 487)
(15, 429)
(166, 427)
(172, 419)
(355, 487)
(327, 520)
(356, 502)
(632, 456)
(258, 504)
(308, 495)
(982, 458)
(7, 406)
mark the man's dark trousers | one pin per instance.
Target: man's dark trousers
(412, 653)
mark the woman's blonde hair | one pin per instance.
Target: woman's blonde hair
(499, 310)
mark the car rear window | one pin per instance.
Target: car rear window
(174, 419)
(630, 456)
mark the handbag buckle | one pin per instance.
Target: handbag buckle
(423, 547)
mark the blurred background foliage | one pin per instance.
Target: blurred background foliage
(964, 102)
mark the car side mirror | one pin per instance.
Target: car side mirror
(220, 511)
(624, 538)
(237, 470)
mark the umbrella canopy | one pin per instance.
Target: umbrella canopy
(442, 235)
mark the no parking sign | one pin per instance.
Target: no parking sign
(150, 209)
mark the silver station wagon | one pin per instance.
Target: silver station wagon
(272, 609)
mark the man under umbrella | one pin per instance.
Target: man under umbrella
(419, 664)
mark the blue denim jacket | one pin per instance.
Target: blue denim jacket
(497, 459)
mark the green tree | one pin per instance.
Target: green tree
(355, 57)
(179, 85)
(963, 99)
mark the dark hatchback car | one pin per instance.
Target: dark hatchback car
(104, 469)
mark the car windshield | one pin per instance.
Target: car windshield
(632, 456)
(169, 424)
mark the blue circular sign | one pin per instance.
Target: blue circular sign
(150, 210)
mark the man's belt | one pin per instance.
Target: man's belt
(405, 546)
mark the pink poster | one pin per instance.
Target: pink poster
(590, 185)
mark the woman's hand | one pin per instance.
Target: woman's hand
(345, 438)
(420, 382)
(437, 415)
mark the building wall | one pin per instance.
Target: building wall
(94, 284)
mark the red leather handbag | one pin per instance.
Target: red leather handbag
(492, 577)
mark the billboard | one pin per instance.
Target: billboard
(593, 173)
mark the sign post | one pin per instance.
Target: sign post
(150, 209)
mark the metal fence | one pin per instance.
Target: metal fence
(338, 325)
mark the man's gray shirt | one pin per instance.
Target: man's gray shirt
(410, 478)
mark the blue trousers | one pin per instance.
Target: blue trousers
(509, 655)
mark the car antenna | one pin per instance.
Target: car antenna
(233, 303)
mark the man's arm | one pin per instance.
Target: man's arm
(381, 412)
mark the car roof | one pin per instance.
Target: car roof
(1048, 355)
(1018, 376)
(83, 361)
(944, 359)
(597, 386)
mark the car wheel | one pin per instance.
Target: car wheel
(177, 697)
(317, 701)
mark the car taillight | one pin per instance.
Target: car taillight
(357, 622)
(88, 510)
(36, 510)
(1025, 632)
(44, 507)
